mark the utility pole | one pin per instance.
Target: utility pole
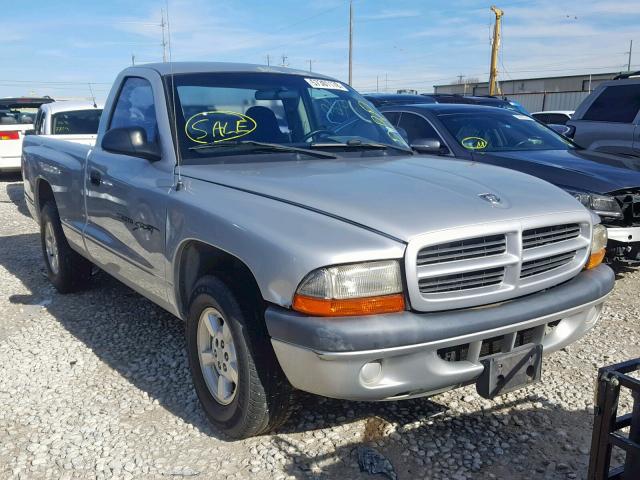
(629, 52)
(268, 61)
(163, 24)
(310, 65)
(495, 49)
(350, 42)
(133, 59)
(284, 60)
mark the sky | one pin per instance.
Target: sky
(68, 48)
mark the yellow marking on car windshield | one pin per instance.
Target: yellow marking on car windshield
(381, 120)
(218, 126)
(474, 143)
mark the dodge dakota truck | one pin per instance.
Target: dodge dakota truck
(305, 245)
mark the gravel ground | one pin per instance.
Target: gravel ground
(96, 385)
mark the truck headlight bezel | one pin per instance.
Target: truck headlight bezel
(599, 239)
(603, 205)
(364, 288)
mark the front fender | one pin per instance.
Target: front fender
(279, 243)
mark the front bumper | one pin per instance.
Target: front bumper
(382, 357)
(624, 244)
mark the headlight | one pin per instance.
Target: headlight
(601, 204)
(355, 289)
(599, 239)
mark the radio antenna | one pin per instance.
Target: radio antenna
(173, 103)
(93, 97)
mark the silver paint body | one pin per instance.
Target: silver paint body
(283, 217)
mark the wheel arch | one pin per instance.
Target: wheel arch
(43, 194)
(196, 259)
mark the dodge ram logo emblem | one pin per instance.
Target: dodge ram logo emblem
(491, 198)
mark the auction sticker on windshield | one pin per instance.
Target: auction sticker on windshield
(474, 143)
(327, 84)
(218, 126)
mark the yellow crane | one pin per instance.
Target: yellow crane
(495, 49)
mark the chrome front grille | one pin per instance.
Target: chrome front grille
(537, 237)
(463, 249)
(462, 281)
(484, 264)
(545, 264)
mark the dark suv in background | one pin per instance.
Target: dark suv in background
(608, 120)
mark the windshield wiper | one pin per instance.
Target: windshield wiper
(274, 147)
(359, 144)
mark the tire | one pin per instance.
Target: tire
(261, 398)
(67, 270)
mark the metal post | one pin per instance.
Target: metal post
(310, 65)
(350, 42)
(630, 50)
(377, 83)
(268, 61)
(632, 462)
(603, 422)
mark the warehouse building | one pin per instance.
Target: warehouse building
(535, 94)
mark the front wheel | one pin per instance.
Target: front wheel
(235, 373)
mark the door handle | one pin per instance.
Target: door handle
(95, 177)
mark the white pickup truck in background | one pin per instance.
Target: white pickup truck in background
(75, 122)
(16, 118)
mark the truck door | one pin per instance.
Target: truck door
(126, 198)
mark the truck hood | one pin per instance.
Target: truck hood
(399, 196)
(574, 169)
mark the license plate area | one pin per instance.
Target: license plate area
(505, 372)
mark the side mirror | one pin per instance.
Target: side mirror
(427, 145)
(130, 141)
(564, 130)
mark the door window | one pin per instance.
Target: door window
(39, 124)
(135, 107)
(392, 117)
(417, 127)
(617, 103)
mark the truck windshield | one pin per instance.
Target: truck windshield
(501, 132)
(79, 122)
(284, 109)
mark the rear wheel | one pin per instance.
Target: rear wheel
(237, 378)
(67, 270)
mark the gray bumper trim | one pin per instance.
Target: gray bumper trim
(352, 334)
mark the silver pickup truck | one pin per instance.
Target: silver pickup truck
(307, 247)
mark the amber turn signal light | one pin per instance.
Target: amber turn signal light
(595, 259)
(323, 307)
